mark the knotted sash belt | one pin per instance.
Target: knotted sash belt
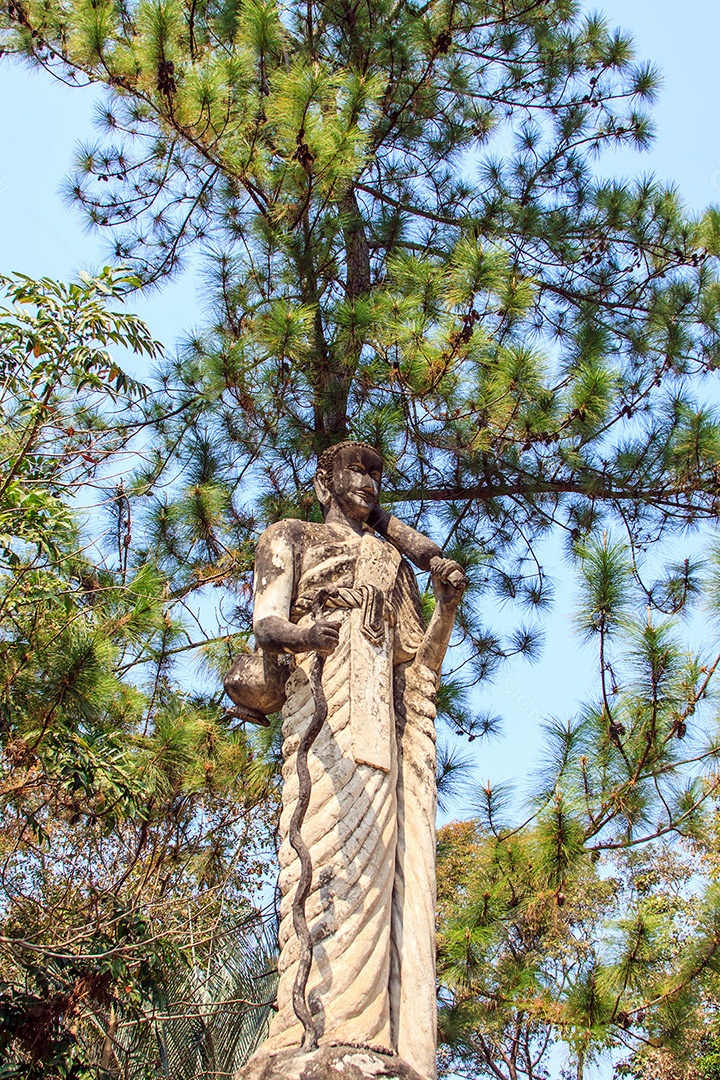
(368, 598)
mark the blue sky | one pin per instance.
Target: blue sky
(41, 123)
(681, 39)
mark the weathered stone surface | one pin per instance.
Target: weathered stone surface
(357, 859)
(327, 1063)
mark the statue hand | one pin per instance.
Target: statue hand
(322, 637)
(448, 580)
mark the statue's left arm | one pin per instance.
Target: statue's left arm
(449, 583)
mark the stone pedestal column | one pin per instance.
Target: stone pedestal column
(327, 1063)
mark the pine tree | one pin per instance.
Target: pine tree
(406, 242)
(544, 981)
(591, 919)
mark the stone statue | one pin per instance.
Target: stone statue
(357, 859)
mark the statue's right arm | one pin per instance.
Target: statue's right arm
(274, 581)
(418, 548)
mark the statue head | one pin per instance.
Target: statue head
(348, 476)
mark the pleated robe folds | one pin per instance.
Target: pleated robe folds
(370, 825)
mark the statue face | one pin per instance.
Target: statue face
(357, 475)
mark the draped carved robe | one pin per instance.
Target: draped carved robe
(370, 825)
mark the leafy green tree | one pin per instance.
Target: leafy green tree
(128, 809)
(215, 1007)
